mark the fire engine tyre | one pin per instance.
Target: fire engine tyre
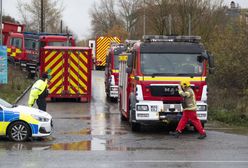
(136, 127)
(19, 131)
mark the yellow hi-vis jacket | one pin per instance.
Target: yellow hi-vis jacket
(38, 87)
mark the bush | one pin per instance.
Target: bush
(17, 84)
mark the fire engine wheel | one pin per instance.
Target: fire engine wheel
(134, 126)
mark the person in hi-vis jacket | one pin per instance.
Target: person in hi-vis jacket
(189, 110)
(39, 92)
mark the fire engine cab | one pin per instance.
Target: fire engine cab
(112, 71)
(150, 74)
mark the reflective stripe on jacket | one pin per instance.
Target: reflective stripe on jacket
(189, 99)
(37, 89)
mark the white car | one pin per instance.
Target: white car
(19, 123)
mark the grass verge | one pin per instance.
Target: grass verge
(17, 84)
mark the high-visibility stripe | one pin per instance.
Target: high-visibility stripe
(103, 44)
(148, 78)
(54, 60)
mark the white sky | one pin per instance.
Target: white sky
(76, 13)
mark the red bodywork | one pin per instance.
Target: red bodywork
(69, 69)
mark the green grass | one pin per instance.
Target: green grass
(17, 84)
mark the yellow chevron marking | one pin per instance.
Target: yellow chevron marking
(13, 54)
(147, 78)
(72, 74)
(80, 63)
(50, 56)
(115, 71)
(8, 49)
(58, 84)
(18, 51)
(60, 90)
(80, 72)
(55, 77)
(53, 61)
(56, 68)
(74, 85)
(84, 57)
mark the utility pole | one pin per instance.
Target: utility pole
(170, 19)
(61, 26)
(42, 16)
(144, 18)
(189, 25)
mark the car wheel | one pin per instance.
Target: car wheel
(18, 131)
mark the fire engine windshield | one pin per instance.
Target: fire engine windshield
(59, 43)
(31, 44)
(116, 61)
(159, 64)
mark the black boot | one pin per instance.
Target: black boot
(202, 136)
(176, 134)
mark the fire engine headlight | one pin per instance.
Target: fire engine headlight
(142, 108)
(154, 108)
(201, 108)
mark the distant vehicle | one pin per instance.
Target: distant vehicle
(22, 47)
(112, 71)
(69, 70)
(56, 39)
(19, 123)
(101, 46)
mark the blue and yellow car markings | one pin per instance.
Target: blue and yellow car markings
(7, 117)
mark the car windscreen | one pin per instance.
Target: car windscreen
(5, 104)
(172, 64)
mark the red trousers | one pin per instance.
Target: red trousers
(192, 116)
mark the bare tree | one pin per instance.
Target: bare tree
(129, 13)
(104, 17)
(31, 14)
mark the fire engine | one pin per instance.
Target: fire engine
(103, 43)
(22, 47)
(150, 74)
(112, 71)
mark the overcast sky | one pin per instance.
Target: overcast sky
(76, 13)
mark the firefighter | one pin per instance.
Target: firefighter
(189, 110)
(39, 92)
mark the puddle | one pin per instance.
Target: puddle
(97, 144)
(88, 131)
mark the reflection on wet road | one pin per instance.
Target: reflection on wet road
(96, 131)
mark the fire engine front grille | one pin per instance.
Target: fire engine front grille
(164, 90)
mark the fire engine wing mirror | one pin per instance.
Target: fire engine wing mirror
(202, 57)
(130, 61)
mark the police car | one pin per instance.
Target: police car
(19, 123)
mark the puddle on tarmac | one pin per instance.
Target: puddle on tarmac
(99, 145)
(89, 131)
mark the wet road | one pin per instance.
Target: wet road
(92, 135)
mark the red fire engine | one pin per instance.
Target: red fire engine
(112, 71)
(150, 75)
(22, 47)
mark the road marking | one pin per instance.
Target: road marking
(183, 161)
